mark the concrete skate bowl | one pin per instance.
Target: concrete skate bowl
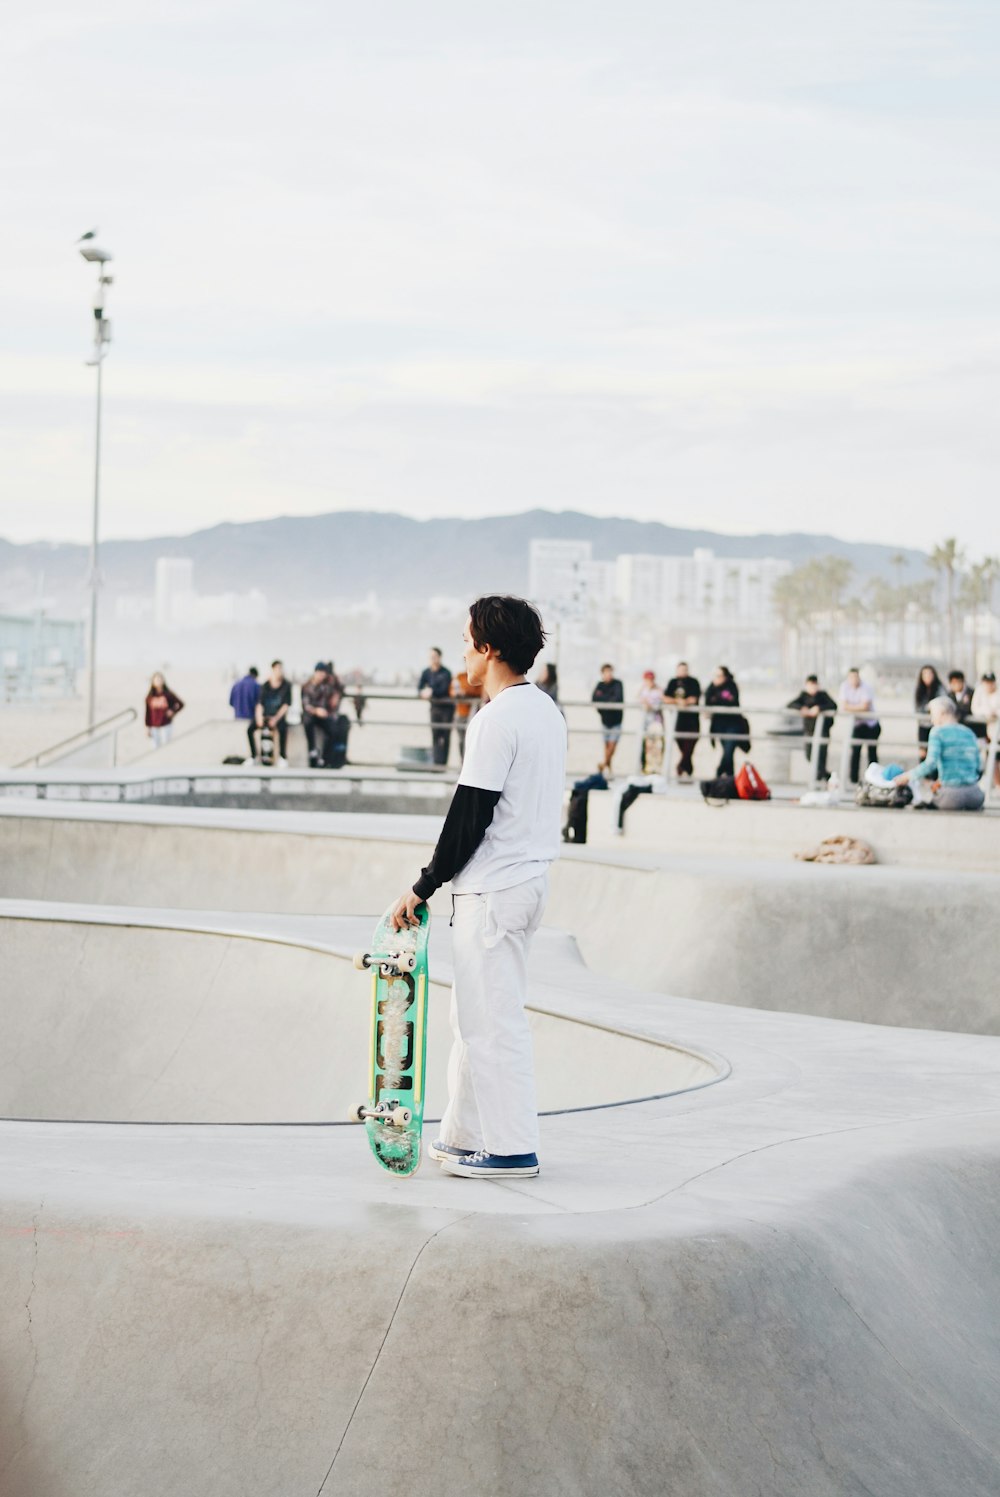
(124, 1023)
(910, 947)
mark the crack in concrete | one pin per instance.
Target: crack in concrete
(381, 1347)
(27, 1309)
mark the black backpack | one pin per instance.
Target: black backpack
(722, 788)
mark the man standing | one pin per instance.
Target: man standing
(609, 689)
(462, 687)
(243, 699)
(435, 687)
(683, 691)
(858, 699)
(499, 837)
(273, 708)
(816, 708)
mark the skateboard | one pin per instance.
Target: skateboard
(267, 746)
(394, 1113)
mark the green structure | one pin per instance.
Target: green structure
(39, 656)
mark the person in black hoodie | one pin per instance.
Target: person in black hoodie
(730, 728)
(929, 685)
(609, 690)
(816, 708)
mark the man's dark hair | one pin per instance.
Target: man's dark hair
(607, 666)
(852, 670)
(813, 678)
(274, 663)
(512, 626)
(252, 672)
(436, 650)
(956, 675)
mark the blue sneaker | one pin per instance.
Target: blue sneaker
(441, 1151)
(493, 1166)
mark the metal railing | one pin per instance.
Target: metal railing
(812, 743)
(376, 738)
(109, 727)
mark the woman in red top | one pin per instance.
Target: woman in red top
(162, 706)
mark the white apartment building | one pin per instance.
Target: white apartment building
(563, 576)
(702, 588)
(173, 591)
(176, 604)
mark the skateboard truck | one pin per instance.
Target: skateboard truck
(383, 1112)
(396, 961)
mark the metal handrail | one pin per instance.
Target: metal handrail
(87, 735)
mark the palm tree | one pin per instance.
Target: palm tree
(975, 593)
(948, 558)
(789, 598)
(920, 597)
(898, 561)
(881, 598)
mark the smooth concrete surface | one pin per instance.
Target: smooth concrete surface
(130, 1016)
(882, 945)
(683, 822)
(831, 941)
(781, 1284)
(785, 1283)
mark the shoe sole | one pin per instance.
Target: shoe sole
(476, 1172)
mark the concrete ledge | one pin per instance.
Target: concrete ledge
(780, 828)
(237, 787)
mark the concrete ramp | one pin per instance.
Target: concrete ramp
(883, 945)
(132, 1023)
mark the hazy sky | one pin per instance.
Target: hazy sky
(715, 263)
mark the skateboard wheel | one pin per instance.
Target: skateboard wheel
(356, 1114)
(361, 960)
(400, 1117)
(406, 963)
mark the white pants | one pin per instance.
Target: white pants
(160, 736)
(491, 1074)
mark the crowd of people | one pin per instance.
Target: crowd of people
(955, 721)
(951, 762)
(265, 706)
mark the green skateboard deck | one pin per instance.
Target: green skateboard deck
(394, 1113)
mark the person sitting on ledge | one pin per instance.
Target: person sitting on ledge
(951, 766)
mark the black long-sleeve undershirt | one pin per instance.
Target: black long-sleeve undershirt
(465, 826)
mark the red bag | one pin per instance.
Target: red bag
(750, 784)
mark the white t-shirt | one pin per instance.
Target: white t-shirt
(859, 696)
(515, 744)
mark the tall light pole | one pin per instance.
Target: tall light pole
(102, 337)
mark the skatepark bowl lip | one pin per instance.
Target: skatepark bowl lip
(63, 936)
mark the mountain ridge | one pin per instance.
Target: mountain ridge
(348, 553)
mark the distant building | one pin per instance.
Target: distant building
(173, 590)
(564, 578)
(703, 588)
(177, 606)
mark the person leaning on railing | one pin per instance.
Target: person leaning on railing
(948, 779)
(858, 699)
(986, 706)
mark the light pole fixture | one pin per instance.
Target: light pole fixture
(92, 252)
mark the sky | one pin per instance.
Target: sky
(722, 265)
